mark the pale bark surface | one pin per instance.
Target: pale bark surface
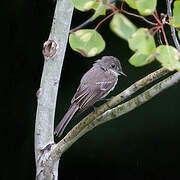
(54, 51)
(47, 152)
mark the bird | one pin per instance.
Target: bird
(94, 85)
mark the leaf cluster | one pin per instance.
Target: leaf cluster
(141, 41)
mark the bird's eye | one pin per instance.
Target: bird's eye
(113, 65)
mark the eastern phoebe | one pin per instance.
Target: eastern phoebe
(94, 85)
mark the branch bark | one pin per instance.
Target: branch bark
(94, 119)
(54, 50)
(85, 125)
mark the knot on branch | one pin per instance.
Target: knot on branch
(49, 49)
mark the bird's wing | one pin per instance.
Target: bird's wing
(94, 85)
(87, 96)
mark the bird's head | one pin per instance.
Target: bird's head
(110, 63)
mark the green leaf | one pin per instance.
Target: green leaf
(84, 5)
(179, 34)
(122, 26)
(139, 59)
(99, 6)
(142, 41)
(100, 10)
(146, 7)
(87, 42)
(175, 20)
(131, 3)
(168, 56)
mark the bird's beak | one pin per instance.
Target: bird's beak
(122, 73)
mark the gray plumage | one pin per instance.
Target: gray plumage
(95, 84)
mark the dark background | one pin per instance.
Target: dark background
(143, 144)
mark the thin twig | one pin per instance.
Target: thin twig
(155, 15)
(88, 21)
(111, 6)
(157, 19)
(169, 11)
(138, 16)
(159, 37)
(154, 29)
(164, 35)
(81, 25)
(122, 5)
(107, 17)
(173, 32)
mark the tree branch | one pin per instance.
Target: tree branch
(173, 32)
(54, 50)
(85, 125)
(135, 102)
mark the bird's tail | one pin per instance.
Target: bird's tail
(64, 122)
